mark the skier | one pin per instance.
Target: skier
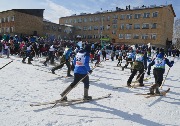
(158, 71)
(50, 55)
(29, 51)
(65, 59)
(120, 58)
(137, 66)
(129, 59)
(81, 71)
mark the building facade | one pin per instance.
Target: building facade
(140, 25)
(27, 22)
(57, 31)
(21, 22)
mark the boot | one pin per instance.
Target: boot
(86, 97)
(23, 61)
(151, 90)
(128, 84)
(53, 71)
(45, 64)
(157, 91)
(122, 68)
(64, 92)
(141, 84)
(29, 61)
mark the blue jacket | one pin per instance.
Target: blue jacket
(67, 53)
(81, 63)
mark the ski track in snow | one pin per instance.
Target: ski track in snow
(23, 84)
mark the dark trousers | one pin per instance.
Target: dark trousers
(61, 65)
(129, 60)
(78, 77)
(50, 57)
(140, 76)
(158, 75)
(28, 54)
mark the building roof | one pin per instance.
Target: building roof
(35, 12)
(123, 10)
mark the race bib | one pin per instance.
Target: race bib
(80, 60)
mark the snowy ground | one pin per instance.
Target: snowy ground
(23, 84)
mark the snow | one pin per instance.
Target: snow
(23, 84)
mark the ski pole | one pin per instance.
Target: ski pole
(166, 76)
(6, 64)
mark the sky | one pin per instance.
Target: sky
(24, 84)
(54, 9)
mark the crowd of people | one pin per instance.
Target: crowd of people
(77, 58)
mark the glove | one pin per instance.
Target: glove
(148, 73)
(90, 71)
(172, 62)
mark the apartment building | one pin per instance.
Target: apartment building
(21, 22)
(26, 22)
(142, 25)
(57, 31)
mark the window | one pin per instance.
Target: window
(101, 27)
(128, 26)
(114, 32)
(7, 29)
(95, 36)
(12, 18)
(153, 36)
(154, 26)
(66, 21)
(85, 28)
(145, 26)
(8, 19)
(91, 19)
(121, 36)
(115, 26)
(108, 18)
(0, 30)
(0, 20)
(79, 28)
(70, 20)
(155, 14)
(137, 16)
(95, 27)
(115, 16)
(4, 19)
(115, 21)
(136, 26)
(75, 21)
(145, 36)
(79, 20)
(136, 36)
(108, 27)
(84, 36)
(90, 28)
(122, 17)
(85, 19)
(129, 16)
(122, 27)
(146, 15)
(127, 36)
(96, 19)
